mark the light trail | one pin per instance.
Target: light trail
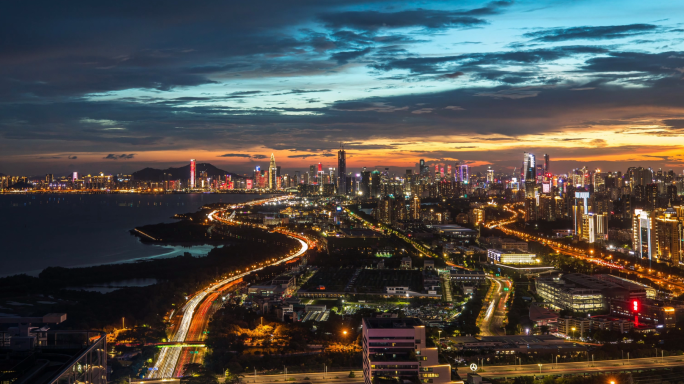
(169, 356)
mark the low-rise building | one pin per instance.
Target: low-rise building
(501, 256)
(406, 262)
(462, 275)
(584, 293)
(581, 327)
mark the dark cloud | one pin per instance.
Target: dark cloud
(374, 20)
(425, 65)
(590, 33)
(308, 155)
(72, 157)
(259, 157)
(236, 155)
(124, 156)
(655, 63)
(344, 57)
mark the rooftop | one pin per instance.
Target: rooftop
(391, 323)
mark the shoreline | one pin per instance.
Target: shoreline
(166, 249)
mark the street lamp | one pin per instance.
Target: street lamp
(540, 365)
(573, 332)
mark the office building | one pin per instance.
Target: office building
(464, 174)
(397, 350)
(342, 172)
(643, 234)
(192, 173)
(584, 293)
(272, 174)
(506, 256)
(529, 168)
(422, 168)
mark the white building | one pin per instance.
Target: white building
(506, 256)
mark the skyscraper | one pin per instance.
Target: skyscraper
(272, 174)
(423, 169)
(529, 172)
(192, 173)
(312, 174)
(490, 175)
(546, 164)
(463, 174)
(341, 172)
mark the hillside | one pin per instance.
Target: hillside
(182, 173)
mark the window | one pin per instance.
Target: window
(430, 374)
(417, 341)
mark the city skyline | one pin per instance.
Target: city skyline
(473, 81)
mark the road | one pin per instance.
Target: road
(577, 367)
(330, 377)
(165, 366)
(497, 371)
(196, 331)
(492, 323)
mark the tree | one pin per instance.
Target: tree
(191, 369)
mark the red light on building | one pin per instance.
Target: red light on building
(635, 306)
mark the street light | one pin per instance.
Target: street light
(540, 365)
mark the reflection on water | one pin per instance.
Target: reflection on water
(79, 230)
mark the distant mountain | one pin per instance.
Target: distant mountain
(182, 173)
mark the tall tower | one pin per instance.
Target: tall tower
(341, 172)
(192, 173)
(272, 174)
(546, 163)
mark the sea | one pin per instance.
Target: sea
(48, 230)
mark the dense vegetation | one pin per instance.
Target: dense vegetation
(178, 277)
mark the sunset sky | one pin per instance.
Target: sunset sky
(117, 86)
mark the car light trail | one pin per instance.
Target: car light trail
(169, 356)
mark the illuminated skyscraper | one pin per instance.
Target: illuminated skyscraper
(643, 234)
(192, 173)
(490, 175)
(528, 172)
(423, 168)
(341, 172)
(272, 174)
(463, 174)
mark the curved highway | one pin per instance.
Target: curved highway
(168, 357)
